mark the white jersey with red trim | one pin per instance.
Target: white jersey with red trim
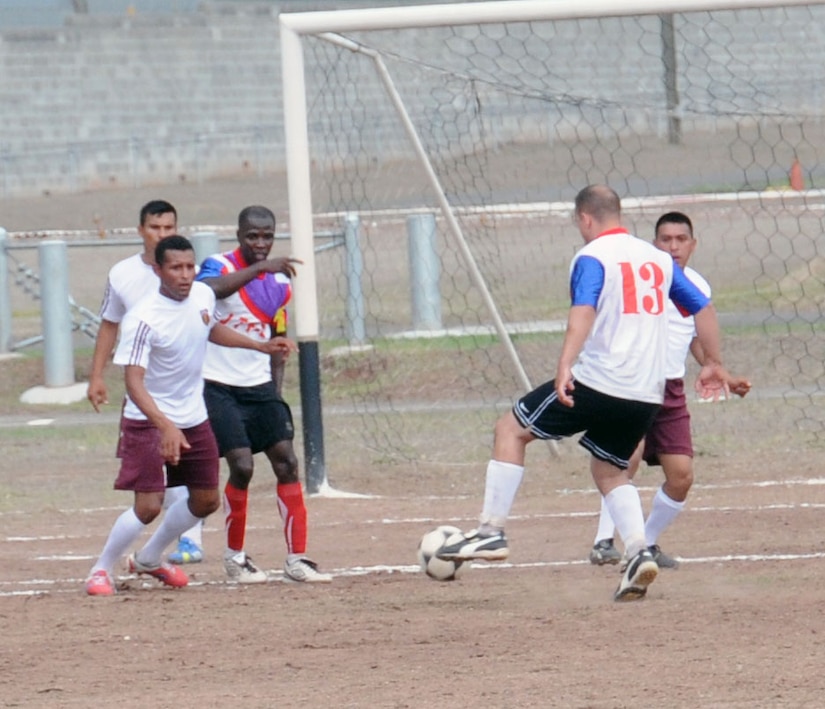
(168, 339)
(681, 330)
(130, 280)
(256, 310)
(628, 282)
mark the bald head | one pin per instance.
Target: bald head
(598, 208)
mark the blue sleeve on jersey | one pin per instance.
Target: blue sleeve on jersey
(586, 281)
(210, 268)
(687, 297)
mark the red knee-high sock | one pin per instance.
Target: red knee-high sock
(234, 506)
(294, 515)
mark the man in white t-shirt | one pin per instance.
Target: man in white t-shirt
(668, 441)
(129, 281)
(609, 382)
(164, 422)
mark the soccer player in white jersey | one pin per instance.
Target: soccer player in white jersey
(668, 441)
(129, 281)
(243, 394)
(609, 382)
(164, 422)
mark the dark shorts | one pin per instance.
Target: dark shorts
(142, 465)
(247, 417)
(612, 427)
(670, 432)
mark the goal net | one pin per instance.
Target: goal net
(450, 142)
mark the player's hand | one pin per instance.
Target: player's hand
(712, 382)
(96, 393)
(281, 264)
(565, 386)
(739, 386)
(172, 443)
(279, 345)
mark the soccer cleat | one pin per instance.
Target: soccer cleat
(603, 552)
(187, 552)
(100, 584)
(240, 569)
(641, 571)
(490, 547)
(167, 574)
(304, 571)
(663, 560)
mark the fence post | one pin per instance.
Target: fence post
(356, 332)
(206, 243)
(5, 296)
(58, 354)
(424, 272)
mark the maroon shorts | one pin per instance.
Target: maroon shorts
(670, 432)
(142, 465)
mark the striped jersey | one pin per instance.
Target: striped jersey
(168, 339)
(130, 280)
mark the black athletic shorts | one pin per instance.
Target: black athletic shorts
(247, 417)
(612, 427)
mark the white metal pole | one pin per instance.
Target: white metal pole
(58, 354)
(5, 296)
(304, 284)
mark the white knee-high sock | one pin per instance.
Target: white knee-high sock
(606, 529)
(181, 492)
(625, 508)
(195, 533)
(172, 494)
(177, 519)
(662, 514)
(503, 480)
(126, 529)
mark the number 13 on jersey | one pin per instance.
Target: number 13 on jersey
(642, 289)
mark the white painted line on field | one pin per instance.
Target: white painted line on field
(40, 422)
(75, 585)
(815, 482)
(385, 521)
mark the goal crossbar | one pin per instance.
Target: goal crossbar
(504, 11)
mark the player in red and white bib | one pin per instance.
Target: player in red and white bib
(243, 394)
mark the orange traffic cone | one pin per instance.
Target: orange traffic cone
(796, 179)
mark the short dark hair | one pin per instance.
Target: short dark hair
(674, 218)
(155, 207)
(598, 201)
(255, 211)
(171, 243)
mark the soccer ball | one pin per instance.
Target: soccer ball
(431, 542)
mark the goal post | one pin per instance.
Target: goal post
(572, 92)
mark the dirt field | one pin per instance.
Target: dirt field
(736, 626)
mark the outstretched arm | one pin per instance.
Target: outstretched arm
(737, 385)
(227, 337)
(227, 284)
(712, 382)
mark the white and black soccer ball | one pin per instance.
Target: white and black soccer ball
(431, 542)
